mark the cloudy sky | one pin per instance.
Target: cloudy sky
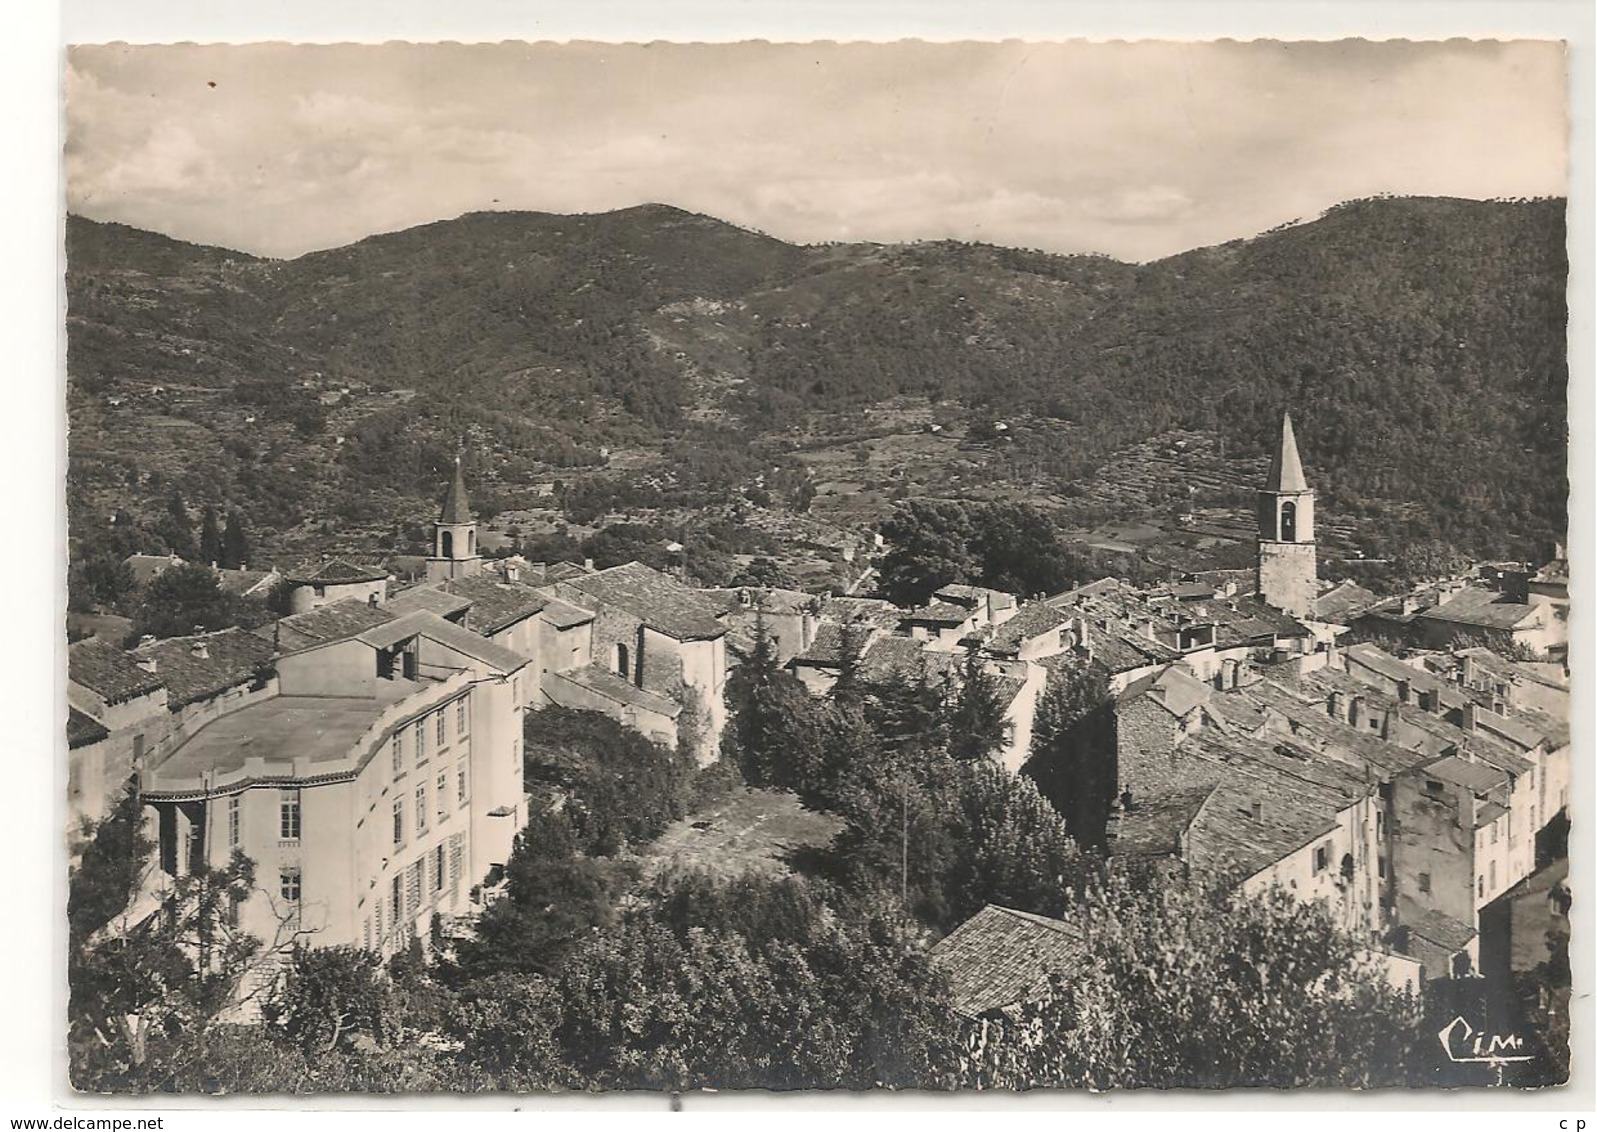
(1135, 150)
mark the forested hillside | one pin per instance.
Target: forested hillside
(1419, 344)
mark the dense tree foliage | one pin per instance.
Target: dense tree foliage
(1189, 984)
(189, 599)
(1012, 547)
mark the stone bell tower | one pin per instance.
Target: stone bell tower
(1288, 570)
(454, 535)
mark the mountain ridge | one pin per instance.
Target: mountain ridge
(1419, 341)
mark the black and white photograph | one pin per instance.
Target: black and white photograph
(667, 567)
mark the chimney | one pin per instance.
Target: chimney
(1355, 712)
(587, 564)
(1258, 811)
(199, 651)
(1404, 691)
(1083, 635)
(1411, 604)
(512, 572)
(1228, 673)
(1336, 707)
(1466, 674)
(1430, 700)
(1467, 716)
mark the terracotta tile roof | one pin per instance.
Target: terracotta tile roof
(1446, 934)
(882, 614)
(601, 681)
(1343, 601)
(658, 600)
(563, 615)
(1153, 827)
(1001, 957)
(334, 621)
(1030, 621)
(1481, 609)
(83, 729)
(1554, 731)
(335, 572)
(1489, 813)
(1474, 777)
(447, 633)
(939, 613)
(1295, 793)
(826, 649)
(495, 603)
(231, 657)
(108, 672)
(431, 597)
(565, 571)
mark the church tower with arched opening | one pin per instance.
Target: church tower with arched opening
(454, 535)
(1288, 569)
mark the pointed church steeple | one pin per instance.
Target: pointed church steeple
(456, 509)
(1288, 567)
(454, 534)
(1286, 470)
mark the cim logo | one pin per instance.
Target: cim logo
(1466, 1045)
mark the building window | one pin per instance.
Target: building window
(1492, 870)
(438, 868)
(398, 752)
(366, 933)
(462, 717)
(421, 742)
(622, 667)
(441, 795)
(235, 818)
(421, 808)
(1322, 857)
(1494, 833)
(438, 730)
(455, 850)
(1289, 522)
(396, 902)
(1433, 788)
(1425, 882)
(399, 821)
(413, 887)
(1480, 887)
(515, 756)
(461, 793)
(288, 815)
(288, 886)
(319, 590)
(138, 749)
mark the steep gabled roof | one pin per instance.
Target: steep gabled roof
(1000, 957)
